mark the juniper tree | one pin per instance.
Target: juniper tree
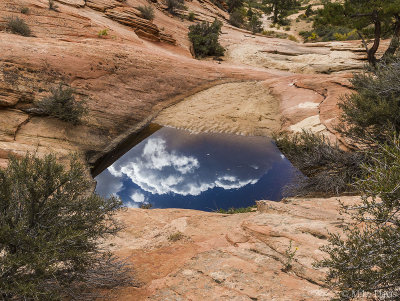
(279, 8)
(382, 15)
(51, 230)
(365, 262)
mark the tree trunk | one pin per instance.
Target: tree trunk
(378, 31)
(394, 43)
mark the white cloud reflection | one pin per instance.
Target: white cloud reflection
(159, 171)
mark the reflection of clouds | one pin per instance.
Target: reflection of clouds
(156, 157)
(159, 171)
(108, 184)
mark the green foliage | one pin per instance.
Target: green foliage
(25, 10)
(234, 5)
(371, 19)
(373, 112)
(103, 33)
(63, 105)
(274, 34)
(204, 37)
(51, 228)
(366, 262)
(309, 11)
(176, 236)
(290, 253)
(280, 9)
(147, 12)
(18, 26)
(174, 5)
(328, 170)
(191, 16)
(255, 24)
(53, 5)
(238, 17)
(237, 210)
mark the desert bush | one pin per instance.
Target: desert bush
(325, 168)
(24, 10)
(176, 236)
(191, 16)
(63, 105)
(53, 5)
(204, 37)
(364, 262)
(147, 12)
(18, 26)
(51, 230)
(237, 18)
(255, 24)
(237, 210)
(373, 112)
(234, 5)
(174, 5)
(102, 33)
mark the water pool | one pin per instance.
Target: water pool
(176, 169)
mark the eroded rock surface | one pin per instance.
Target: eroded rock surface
(229, 257)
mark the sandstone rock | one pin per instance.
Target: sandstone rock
(229, 257)
(10, 121)
(142, 27)
(102, 5)
(76, 3)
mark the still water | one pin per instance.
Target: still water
(176, 169)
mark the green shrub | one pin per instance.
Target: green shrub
(274, 34)
(25, 10)
(309, 11)
(174, 5)
(191, 16)
(365, 262)
(147, 12)
(255, 24)
(237, 210)
(18, 26)
(176, 236)
(103, 33)
(326, 169)
(53, 5)
(51, 230)
(234, 5)
(204, 37)
(63, 105)
(373, 113)
(237, 18)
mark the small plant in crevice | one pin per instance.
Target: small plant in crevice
(145, 206)
(176, 236)
(290, 253)
(103, 33)
(24, 10)
(237, 210)
(62, 104)
(147, 12)
(18, 26)
(53, 5)
(191, 16)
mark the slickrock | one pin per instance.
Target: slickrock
(102, 5)
(228, 257)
